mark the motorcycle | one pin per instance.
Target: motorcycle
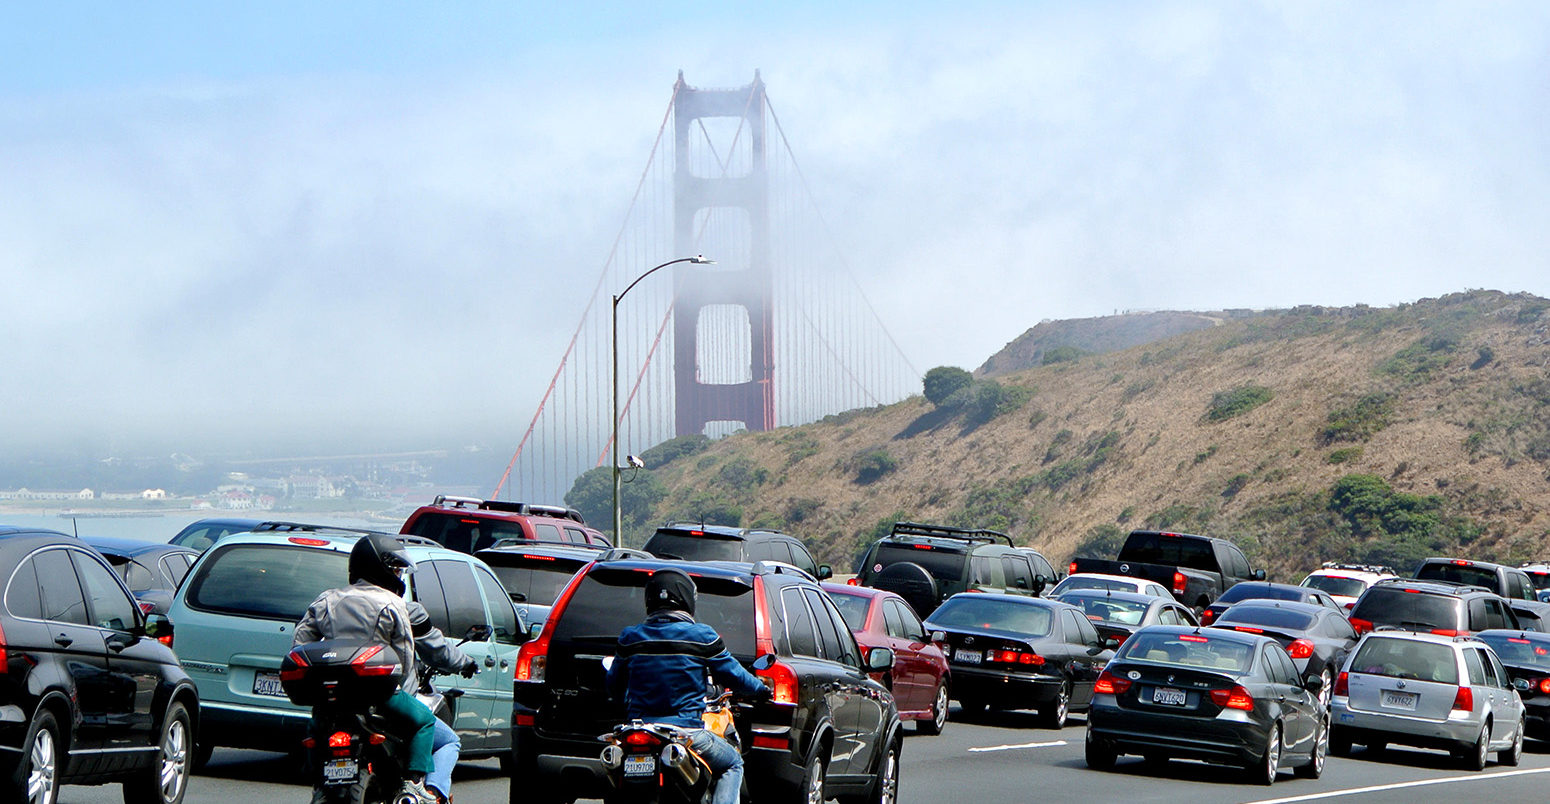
(655, 762)
(354, 755)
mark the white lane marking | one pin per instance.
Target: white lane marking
(1024, 745)
(1378, 788)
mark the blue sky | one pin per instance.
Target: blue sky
(202, 196)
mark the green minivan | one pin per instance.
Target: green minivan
(235, 612)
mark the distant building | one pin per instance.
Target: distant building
(47, 495)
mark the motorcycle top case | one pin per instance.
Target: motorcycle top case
(341, 672)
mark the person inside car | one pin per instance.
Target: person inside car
(660, 672)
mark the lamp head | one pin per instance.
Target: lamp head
(701, 259)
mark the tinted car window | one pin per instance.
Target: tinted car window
(1042, 567)
(606, 602)
(464, 533)
(427, 592)
(504, 616)
(801, 559)
(1237, 565)
(894, 621)
(269, 581)
(983, 570)
(136, 576)
(22, 598)
(1336, 585)
(464, 608)
(1448, 571)
(1495, 616)
(667, 544)
(1018, 574)
(1519, 651)
(1190, 650)
(854, 608)
(1155, 549)
(912, 626)
(176, 566)
(983, 611)
(576, 536)
(1267, 617)
(1494, 666)
(1474, 667)
(828, 634)
(844, 644)
(539, 579)
(944, 565)
(1338, 627)
(1245, 591)
(1406, 658)
(62, 598)
(1103, 609)
(1397, 607)
(799, 624)
(1169, 617)
(109, 606)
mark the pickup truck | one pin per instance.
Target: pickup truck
(1509, 582)
(1196, 568)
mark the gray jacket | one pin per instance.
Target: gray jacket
(362, 611)
(431, 645)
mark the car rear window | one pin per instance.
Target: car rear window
(465, 533)
(1520, 651)
(1107, 609)
(943, 564)
(1074, 582)
(268, 581)
(1152, 548)
(1245, 591)
(979, 611)
(1406, 658)
(1448, 571)
(853, 608)
(1266, 617)
(1204, 651)
(1408, 609)
(1336, 585)
(534, 579)
(610, 600)
(667, 544)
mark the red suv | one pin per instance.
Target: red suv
(919, 678)
(469, 524)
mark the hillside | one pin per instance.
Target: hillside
(1053, 341)
(1303, 435)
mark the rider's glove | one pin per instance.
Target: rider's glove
(468, 669)
(764, 695)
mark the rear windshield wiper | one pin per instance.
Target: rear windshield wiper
(660, 554)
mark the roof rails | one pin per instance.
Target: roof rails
(1459, 585)
(304, 527)
(945, 532)
(1342, 565)
(781, 568)
(525, 509)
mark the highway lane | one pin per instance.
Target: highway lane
(1002, 758)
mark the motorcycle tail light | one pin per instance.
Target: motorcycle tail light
(339, 739)
(641, 738)
(376, 739)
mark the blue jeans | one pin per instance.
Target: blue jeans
(724, 760)
(445, 747)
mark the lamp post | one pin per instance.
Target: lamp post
(613, 385)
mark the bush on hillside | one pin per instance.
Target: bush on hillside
(1061, 354)
(872, 465)
(593, 495)
(944, 381)
(673, 449)
(1102, 541)
(1237, 401)
(1417, 362)
(1359, 420)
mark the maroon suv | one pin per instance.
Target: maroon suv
(469, 524)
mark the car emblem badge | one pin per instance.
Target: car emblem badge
(1135, 675)
(1170, 678)
(1124, 568)
(968, 640)
(1401, 684)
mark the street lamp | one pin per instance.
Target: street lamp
(613, 386)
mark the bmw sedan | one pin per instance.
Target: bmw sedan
(1316, 637)
(1120, 614)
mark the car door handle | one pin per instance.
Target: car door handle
(63, 641)
(489, 661)
(504, 665)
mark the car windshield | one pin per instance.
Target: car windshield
(1540, 578)
(1520, 651)
(943, 564)
(1266, 617)
(1109, 610)
(1245, 591)
(667, 544)
(268, 581)
(608, 601)
(853, 608)
(1074, 582)
(535, 579)
(1414, 611)
(1190, 650)
(1336, 585)
(975, 611)
(1458, 573)
(1406, 658)
(465, 533)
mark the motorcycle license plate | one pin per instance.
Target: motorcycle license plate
(340, 771)
(640, 766)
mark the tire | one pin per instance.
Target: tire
(938, 720)
(508, 762)
(1100, 756)
(1376, 746)
(910, 581)
(1513, 754)
(36, 778)
(1315, 767)
(1264, 771)
(1339, 741)
(885, 789)
(969, 708)
(1156, 763)
(1054, 714)
(166, 780)
(812, 779)
(202, 753)
(1326, 692)
(1473, 756)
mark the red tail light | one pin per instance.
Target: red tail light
(308, 542)
(767, 741)
(1350, 605)
(1464, 700)
(1300, 649)
(642, 738)
(1178, 583)
(1014, 657)
(533, 657)
(1447, 632)
(1342, 685)
(359, 663)
(853, 582)
(1234, 698)
(1360, 626)
(339, 739)
(783, 682)
(1544, 686)
(376, 739)
(1207, 616)
(1110, 684)
(1071, 568)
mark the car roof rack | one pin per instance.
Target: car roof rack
(623, 554)
(944, 532)
(277, 526)
(1456, 585)
(1344, 565)
(768, 567)
(525, 509)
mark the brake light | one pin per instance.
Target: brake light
(1342, 685)
(1110, 684)
(1446, 632)
(853, 582)
(921, 546)
(308, 542)
(1207, 616)
(1178, 583)
(1464, 700)
(376, 739)
(533, 657)
(526, 719)
(1248, 630)
(696, 533)
(1015, 657)
(359, 663)
(1300, 649)
(763, 640)
(339, 739)
(1071, 568)
(1360, 626)
(782, 680)
(539, 558)
(299, 671)
(1461, 562)
(1544, 686)
(1234, 698)
(641, 738)
(1517, 641)
(1193, 638)
(766, 741)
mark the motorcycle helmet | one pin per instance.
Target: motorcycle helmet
(669, 589)
(380, 559)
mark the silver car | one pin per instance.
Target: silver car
(1429, 691)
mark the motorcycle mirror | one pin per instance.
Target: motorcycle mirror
(478, 633)
(764, 662)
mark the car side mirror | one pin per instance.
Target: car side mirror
(1313, 684)
(825, 572)
(1112, 643)
(764, 662)
(534, 630)
(1096, 647)
(879, 659)
(939, 637)
(1522, 685)
(1039, 582)
(159, 628)
(1259, 575)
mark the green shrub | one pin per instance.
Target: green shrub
(1345, 455)
(743, 474)
(1417, 362)
(673, 449)
(872, 465)
(1361, 419)
(1061, 354)
(943, 381)
(1102, 541)
(1205, 455)
(1237, 401)
(801, 509)
(1236, 484)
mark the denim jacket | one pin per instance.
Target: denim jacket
(661, 665)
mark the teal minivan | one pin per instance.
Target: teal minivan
(235, 612)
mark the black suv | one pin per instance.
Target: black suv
(535, 573)
(927, 564)
(89, 693)
(830, 730)
(1438, 607)
(696, 542)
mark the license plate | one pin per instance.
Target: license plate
(1168, 695)
(340, 771)
(268, 684)
(1399, 700)
(640, 766)
(969, 656)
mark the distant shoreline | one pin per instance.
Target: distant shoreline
(74, 512)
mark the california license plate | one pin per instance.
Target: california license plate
(340, 771)
(268, 684)
(1169, 696)
(1399, 700)
(969, 656)
(645, 765)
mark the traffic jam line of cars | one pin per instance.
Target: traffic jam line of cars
(1175, 649)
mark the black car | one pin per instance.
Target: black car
(152, 571)
(535, 573)
(88, 691)
(1526, 655)
(1210, 694)
(1015, 652)
(927, 564)
(1438, 607)
(1265, 590)
(1317, 638)
(697, 542)
(830, 730)
(200, 535)
(1120, 614)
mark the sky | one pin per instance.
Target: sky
(290, 223)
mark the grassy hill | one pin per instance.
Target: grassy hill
(1303, 435)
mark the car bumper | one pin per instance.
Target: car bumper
(1361, 726)
(1009, 690)
(1536, 720)
(237, 726)
(1231, 737)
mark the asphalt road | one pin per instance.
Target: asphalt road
(1003, 758)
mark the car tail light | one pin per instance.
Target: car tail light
(1015, 657)
(308, 542)
(1544, 686)
(1248, 629)
(1110, 684)
(782, 680)
(768, 741)
(1300, 649)
(1071, 568)
(298, 672)
(1360, 626)
(1178, 583)
(853, 582)
(642, 738)
(1464, 700)
(524, 719)
(1447, 632)
(1342, 684)
(1461, 562)
(339, 739)
(1235, 697)
(1207, 616)
(1350, 605)
(533, 657)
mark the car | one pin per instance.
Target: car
(205, 532)
(1196, 569)
(927, 564)
(1538, 574)
(151, 570)
(534, 573)
(1265, 590)
(1018, 652)
(831, 729)
(1448, 609)
(1430, 691)
(1198, 693)
(1041, 565)
(469, 524)
(1526, 655)
(1119, 583)
(1511, 583)
(1345, 582)
(701, 542)
(919, 680)
(1120, 614)
(237, 609)
(1316, 637)
(89, 691)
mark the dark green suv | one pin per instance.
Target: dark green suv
(927, 564)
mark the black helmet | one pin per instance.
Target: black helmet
(379, 559)
(669, 589)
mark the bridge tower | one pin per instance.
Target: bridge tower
(715, 382)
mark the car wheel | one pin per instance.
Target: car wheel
(36, 778)
(971, 707)
(165, 781)
(812, 779)
(1100, 756)
(1264, 772)
(885, 787)
(1315, 767)
(1055, 712)
(1514, 753)
(1339, 741)
(938, 719)
(1473, 756)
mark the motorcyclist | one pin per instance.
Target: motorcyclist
(372, 608)
(660, 671)
(433, 650)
